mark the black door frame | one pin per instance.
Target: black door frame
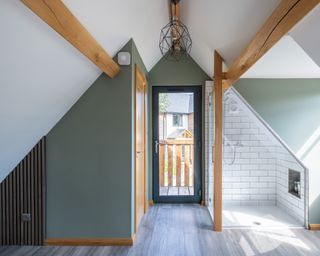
(197, 91)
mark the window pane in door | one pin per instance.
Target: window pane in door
(176, 144)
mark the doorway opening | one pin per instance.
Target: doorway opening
(177, 144)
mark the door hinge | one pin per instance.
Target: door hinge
(199, 192)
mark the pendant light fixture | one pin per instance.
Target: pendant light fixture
(175, 40)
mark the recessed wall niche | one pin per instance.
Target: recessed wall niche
(294, 186)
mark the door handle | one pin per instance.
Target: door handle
(213, 154)
(156, 146)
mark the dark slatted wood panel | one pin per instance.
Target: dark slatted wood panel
(23, 192)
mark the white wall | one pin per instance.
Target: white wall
(41, 77)
(251, 178)
(312, 160)
(309, 154)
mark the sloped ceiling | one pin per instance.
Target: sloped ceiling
(113, 23)
(41, 75)
(285, 60)
(227, 26)
(213, 24)
(307, 34)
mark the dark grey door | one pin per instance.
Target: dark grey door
(176, 121)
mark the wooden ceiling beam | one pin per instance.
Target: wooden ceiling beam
(59, 17)
(281, 21)
(175, 10)
(178, 11)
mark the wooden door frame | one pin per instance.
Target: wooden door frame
(139, 73)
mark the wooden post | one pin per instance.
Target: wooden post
(161, 164)
(170, 165)
(186, 165)
(218, 93)
(178, 165)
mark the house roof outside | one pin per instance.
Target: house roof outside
(181, 103)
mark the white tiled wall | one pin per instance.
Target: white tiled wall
(250, 177)
(290, 203)
(258, 174)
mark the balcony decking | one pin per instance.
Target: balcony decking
(176, 191)
(176, 167)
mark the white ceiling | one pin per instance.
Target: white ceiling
(307, 34)
(296, 55)
(226, 26)
(41, 75)
(114, 22)
(285, 60)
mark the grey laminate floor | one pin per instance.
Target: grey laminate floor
(187, 230)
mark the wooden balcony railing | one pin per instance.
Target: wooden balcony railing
(176, 162)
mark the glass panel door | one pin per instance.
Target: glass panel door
(177, 136)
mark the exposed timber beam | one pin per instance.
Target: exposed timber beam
(175, 9)
(282, 20)
(59, 17)
(218, 94)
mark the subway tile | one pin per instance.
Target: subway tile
(249, 167)
(232, 131)
(258, 185)
(241, 173)
(259, 173)
(249, 179)
(259, 197)
(267, 179)
(249, 131)
(249, 155)
(249, 191)
(240, 185)
(240, 125)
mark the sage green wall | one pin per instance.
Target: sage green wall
(184, 72)
(292, 108)
(90, 161)
(284, 103)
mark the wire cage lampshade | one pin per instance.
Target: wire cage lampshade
(175, 40)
